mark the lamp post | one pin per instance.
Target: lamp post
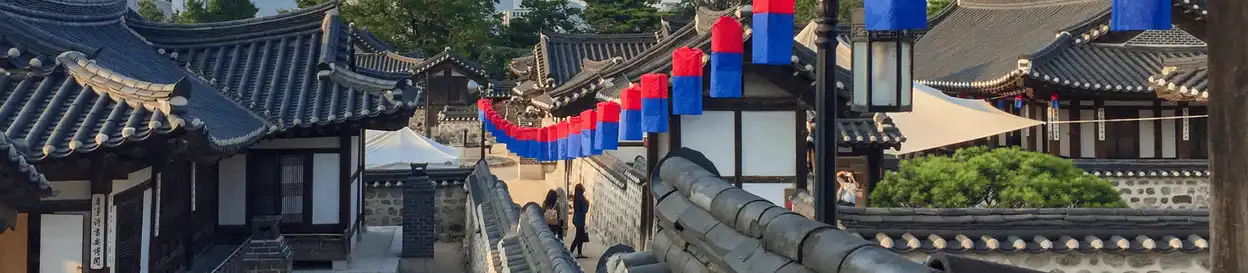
(825, 116)
(882, 67)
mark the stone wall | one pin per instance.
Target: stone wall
(505, 238)
(615, 199)
(1098, 262)
(383, 204)
(1163, 192)
(451, 132)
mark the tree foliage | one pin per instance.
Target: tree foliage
(998, 178)
(622, 16)
(543, 16)
(150, 12)
(201, 11)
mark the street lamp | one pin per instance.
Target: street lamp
(825, 115)
(883, 62)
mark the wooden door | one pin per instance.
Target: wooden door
(14, 244)
(129, 230)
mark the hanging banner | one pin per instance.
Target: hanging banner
(589, 124)
(773, 32)
(574, 137)
(654, 103)
(727, 43)
(561, 145)
(894, 15)
(607, 135)
(687, 81)
(630, 114)
(1132, 15)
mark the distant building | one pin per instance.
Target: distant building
(512, 9)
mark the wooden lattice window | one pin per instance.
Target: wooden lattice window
(292, 188)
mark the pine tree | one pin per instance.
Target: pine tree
(199, 11)
(687, 8)
(149, 11)
(622, 16)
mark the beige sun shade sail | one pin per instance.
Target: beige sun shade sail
(937, 119)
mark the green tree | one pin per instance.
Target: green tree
(543, 16)
(997, 178)
(200, 11)
(149, 11)
(467, 27)
(303, 4)
(622, 16)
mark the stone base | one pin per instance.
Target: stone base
(268, 256)
(532, 171)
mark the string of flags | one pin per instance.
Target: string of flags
(646, 106)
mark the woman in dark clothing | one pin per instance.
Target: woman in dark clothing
(552, 213)
(580, 207)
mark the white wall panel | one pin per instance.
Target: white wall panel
(70, 190)
(1148, 140)
(232, 191)
(1168, 135)
(767, 143)
(711, 134)
(326, 186)
(146, 233)
(1065, 134)
(61, 243)
(1087, 134)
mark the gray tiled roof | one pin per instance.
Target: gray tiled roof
(19, 180)
(562, 54)
(1183, 79)
(982, 40)
(1123, 69)
(1030, 230)
(387, 61)
(446, 56)
(1195, 8)
(293, 68)
(1145, 167)
(78, 79)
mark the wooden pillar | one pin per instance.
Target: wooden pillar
(799, 144)
(1158, 138)
(345, 178)
(101, 185)
(1076, 129)
(1228, 123)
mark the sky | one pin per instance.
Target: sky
(267, 7)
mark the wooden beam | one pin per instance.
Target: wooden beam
(800, 146)
(1228, 123)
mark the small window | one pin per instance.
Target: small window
(292, 188)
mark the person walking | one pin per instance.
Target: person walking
(580, 207)
(551, 211)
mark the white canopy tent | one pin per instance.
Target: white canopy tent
(397, 150)
(937, 119)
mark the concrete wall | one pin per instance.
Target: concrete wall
(1099, 262)
(383, 205)
(1163, 192)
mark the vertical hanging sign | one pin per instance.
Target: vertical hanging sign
(1100, 124)
(1186, 124)
(727, 46)
(98, 221)
(112, 236)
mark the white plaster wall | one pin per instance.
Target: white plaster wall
(711, 134)
(71, 190)
(232, 191)
(133, 179)
(325, 188)
(1087, 140)
(767, 143)
(1168, 135)
(144, 249)
(1148, 141)
(773, 192)
(295, 143)
(61, 243)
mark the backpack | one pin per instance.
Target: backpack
(552, 217)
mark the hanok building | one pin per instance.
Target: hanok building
(165, 142)
(446, 75)
(1057, 61)
(759, 140)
